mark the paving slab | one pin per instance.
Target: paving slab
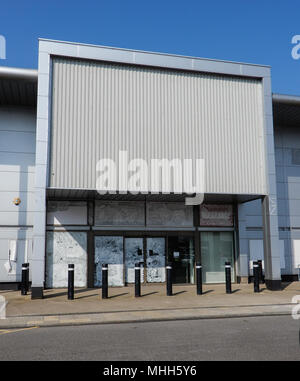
(154, 305)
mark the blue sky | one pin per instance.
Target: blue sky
(237, 30)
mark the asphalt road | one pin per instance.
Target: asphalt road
(262, 338)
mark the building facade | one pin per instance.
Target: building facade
(105, 111)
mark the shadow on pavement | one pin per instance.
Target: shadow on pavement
(150, 293)
(87, 296)
(234, 291)
(207, 292)
(48, 296)
(179, 292)
(115, 296)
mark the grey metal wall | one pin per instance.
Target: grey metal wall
(17, 170)
(17, 165)
(100, 108)
(287, 139)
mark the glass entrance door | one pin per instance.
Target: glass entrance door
(216, 249)
(156, 259)
(133, 255)
(182, 255)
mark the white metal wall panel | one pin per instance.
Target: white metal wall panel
(11, 262)
(17, 171)
(17, 165)
(101, 108)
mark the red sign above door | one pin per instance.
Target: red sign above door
(216, 215)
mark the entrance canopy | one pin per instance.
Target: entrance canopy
(77, 194)
(286, 110)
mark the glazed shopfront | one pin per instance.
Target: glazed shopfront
(150, 233)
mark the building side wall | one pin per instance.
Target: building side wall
(287, 140)
(17, 171)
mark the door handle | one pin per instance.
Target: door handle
(151, 253)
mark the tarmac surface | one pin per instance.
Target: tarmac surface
(252, 338)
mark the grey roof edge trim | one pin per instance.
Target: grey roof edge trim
(286, 99)
(18, 73)
(146, 58)
(150, 52)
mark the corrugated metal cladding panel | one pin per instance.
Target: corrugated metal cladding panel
(101, 108)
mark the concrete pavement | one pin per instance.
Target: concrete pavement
(154, 305)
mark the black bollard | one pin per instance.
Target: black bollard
(199, 278)
(71, 281)
(256, 276)
(137, 273)
(169, 279)
(228, 277)
(27, 277)
(260, 271)
(105, 281)
(23, 281)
